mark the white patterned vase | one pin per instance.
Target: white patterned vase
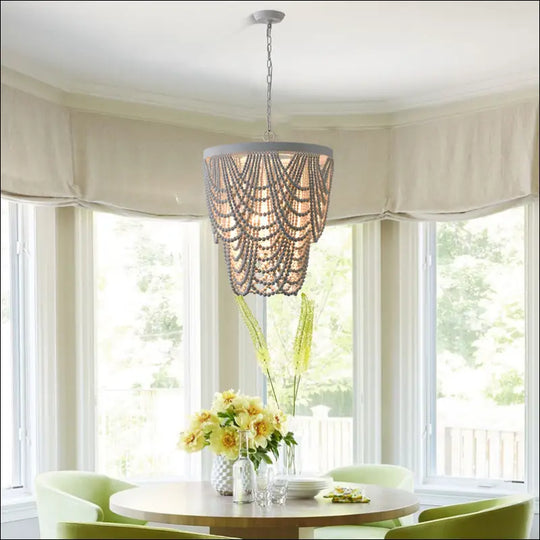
(222, 475)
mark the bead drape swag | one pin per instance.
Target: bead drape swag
(451, 167)
(266, 207)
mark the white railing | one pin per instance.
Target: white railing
(138, 433)
(482, 453)
(325, 442)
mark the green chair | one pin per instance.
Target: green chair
(505, 517)
(391, 476)
(76, 496)
(118, 530)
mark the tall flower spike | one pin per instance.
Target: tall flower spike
(256, 334)
(304, 335)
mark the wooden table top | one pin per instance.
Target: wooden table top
(197, 503)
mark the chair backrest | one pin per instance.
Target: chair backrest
(97, 531)
(391, 476)
(505, 517)
(75, 496)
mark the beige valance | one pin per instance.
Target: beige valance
(463, 165)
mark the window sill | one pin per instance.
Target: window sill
(440, 494)
(18, 507)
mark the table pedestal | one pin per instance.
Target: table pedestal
(263, 533)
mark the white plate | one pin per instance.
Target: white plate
(303, 494)
(309, 482)
(303, 488)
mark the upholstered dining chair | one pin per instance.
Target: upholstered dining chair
(76, 496)
(99, 531)
(504, 517)
(392, 476)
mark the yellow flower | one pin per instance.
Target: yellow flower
(262, 428)
(191, 441)
(223, 400)
(279, 420)
(240, 404)
(243, 420)
(255, 406)
(247, 409)
(202, 417)
(224, 441)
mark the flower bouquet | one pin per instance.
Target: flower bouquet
(231, 413)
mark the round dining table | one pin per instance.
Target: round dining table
(197, 503)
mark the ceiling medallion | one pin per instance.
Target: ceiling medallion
(267, 201)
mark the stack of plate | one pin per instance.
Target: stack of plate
(306, 487)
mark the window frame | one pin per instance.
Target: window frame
(22, 306)
(18, 262)
(366, 276)
(415, 346)
(39, 248)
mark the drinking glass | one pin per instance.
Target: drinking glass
(263, 483)
(278, 490)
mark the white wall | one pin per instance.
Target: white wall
(24, 528)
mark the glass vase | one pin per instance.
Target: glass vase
(243, 472)
(291, 462)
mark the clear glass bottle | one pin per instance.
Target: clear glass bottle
(243, 472)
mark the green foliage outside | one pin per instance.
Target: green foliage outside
(480, 314)
(140, 341)
(153, 266)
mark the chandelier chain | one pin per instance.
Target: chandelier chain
(269, 135)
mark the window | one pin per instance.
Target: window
(476, 356)
(146, 314)
(325, 408)
(17, 345)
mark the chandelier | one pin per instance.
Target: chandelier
(267, 201)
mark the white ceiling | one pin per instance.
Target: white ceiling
(329, 57)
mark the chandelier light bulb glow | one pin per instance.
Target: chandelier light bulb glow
(267, 203)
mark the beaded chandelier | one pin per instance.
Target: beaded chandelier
(267, 202)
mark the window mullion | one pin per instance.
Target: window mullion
(531, 349)
(208, 329)
(429, 315)
(367, 343)
(86, 378)
(16, 256)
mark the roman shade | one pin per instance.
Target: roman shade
(445, 167)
